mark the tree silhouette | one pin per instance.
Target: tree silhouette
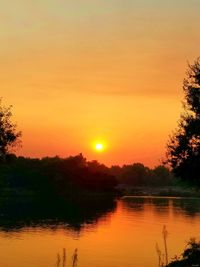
(183, 148)
(9, 136)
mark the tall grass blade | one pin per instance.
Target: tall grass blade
(64, 258)
(75, 258)
(165, 234)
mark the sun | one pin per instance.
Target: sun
(99, 146)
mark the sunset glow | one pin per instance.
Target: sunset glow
(78, 64)
(99, 133)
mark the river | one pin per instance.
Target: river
(124, 235)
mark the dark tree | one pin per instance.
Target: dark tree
(190, 256)
(183, 149)
(135, 175)
(9, 136)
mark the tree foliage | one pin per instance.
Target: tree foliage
(189, 257)
(183, 148)
(57, 176)
(137, 174)
(9, 136)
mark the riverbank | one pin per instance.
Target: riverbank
(164, 191)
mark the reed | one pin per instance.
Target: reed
(58, 260)
(159, 253)
(64, 259)
(163, 258)
(165, 234)
(75, 258)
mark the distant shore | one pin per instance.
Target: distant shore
(165, 191)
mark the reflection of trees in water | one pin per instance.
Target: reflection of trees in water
(134, 204)
(16, 214)
(159, 206)
(139, 204)
(188, 206)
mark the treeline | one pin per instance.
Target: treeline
(74, 176)
(139, 175)
(54, 176)
(44, 191)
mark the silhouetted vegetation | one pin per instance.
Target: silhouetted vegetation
(190, 256)
(139, 175)
(183, 153)
(69, 177)
(9, 136)
(73, 177)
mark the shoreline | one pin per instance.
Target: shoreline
(165, 191)
(163, 197)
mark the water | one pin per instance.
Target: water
(122, 234)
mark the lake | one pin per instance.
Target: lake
(123, 234)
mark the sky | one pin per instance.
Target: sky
(79, 71)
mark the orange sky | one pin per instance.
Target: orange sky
(77, 71)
